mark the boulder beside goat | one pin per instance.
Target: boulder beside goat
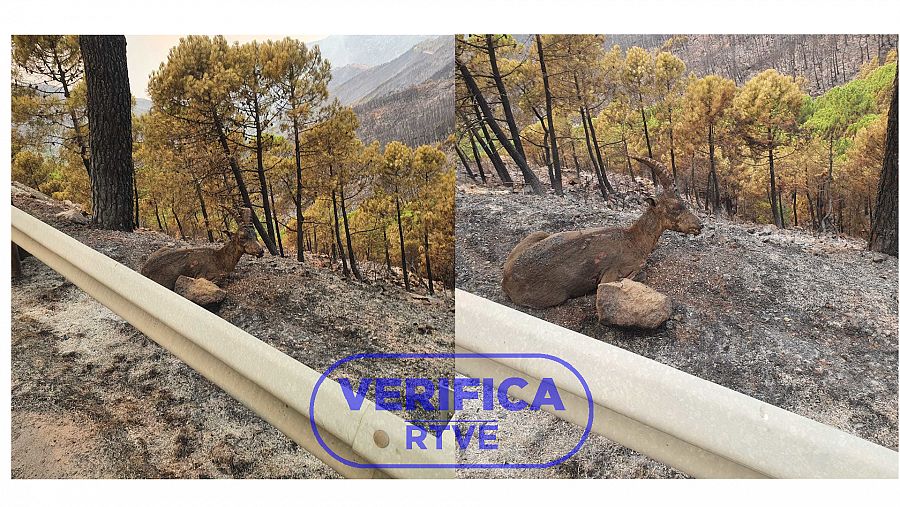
(201, 291)
(627, 303)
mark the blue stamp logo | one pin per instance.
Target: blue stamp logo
(442, 395)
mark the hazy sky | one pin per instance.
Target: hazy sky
(146, 52)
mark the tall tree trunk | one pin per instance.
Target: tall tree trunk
(275, 219)
(529, 176)
(296, 131)
(504, 98)
(402, 242)
(209, 234)
(646, 133)
(239, 179)
(811, 209)
(780, 209)
(713, 177)
(109, 122)
(80, 141)
(627, 157)
(600, 164)
(158, 221)
(773, 197)
(465, 162)
(428, 263)
(178, 221)
(575, 159)
(137, 201)
(261, 171)
(387, 250)
(487, 144)
(353, 266)
(592, 147)
(672, 151)
(794, 206)
(590, 150)
(548, 100)
(337, 234)
(883, 237)
(477, 156)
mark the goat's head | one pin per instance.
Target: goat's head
(245, 237)
(667, 204)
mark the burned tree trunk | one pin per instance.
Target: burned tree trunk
(464, 160)
(713, 178)
(604, 179)
(477, 157)
(209, 234)
(504, 97)
(402, 242)
(646, 133)
(239, 179)
(261, 172)
(337, 234)
(428, 264)
(353, 265)
(109, 123)
(527, 173)
(883, 237)
(275, 219)
(551, 132)
(773, 197)
(295, 127)
(488, 146)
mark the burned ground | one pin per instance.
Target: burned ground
(805, 322)
(94, 398)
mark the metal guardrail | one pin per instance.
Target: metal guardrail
(690, 424)
(275, 386)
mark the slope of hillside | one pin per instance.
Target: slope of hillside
(412, 67)
(368, 50)
(807, 323)
(94, 398)
(825, 61)
(420, 114)
(342, 74)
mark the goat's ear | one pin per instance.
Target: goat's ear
(651, 201)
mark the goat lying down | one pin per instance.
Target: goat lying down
(165, 265)
(546, 270)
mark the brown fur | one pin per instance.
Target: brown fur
(166, 264)
(545, 270)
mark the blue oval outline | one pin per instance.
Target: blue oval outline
(454, 355)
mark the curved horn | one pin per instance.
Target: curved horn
(658, 168)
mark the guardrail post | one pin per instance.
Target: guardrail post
(16, 262)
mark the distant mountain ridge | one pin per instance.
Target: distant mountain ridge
(414, 66)
(408, 99)
(368, 50)
(341, 75)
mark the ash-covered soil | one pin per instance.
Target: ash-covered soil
(94, 398)
(802, 321)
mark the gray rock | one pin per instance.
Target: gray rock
(74, 215)
(632, 304)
